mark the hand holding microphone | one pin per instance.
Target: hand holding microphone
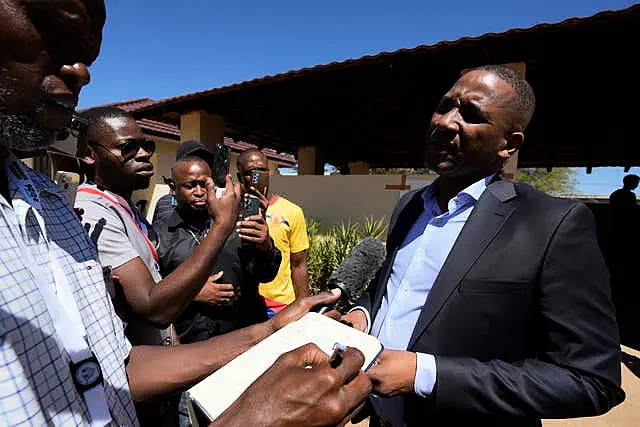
(358, 268)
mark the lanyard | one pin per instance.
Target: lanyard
(126, 209)
(62, 307)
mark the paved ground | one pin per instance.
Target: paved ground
(626, 414)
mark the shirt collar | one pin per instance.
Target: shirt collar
(175, 221)
(474, 191)
(45, 187)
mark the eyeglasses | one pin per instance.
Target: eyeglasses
(130, 147)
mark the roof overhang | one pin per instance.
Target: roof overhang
(377, 108)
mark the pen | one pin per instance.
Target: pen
(338, 354)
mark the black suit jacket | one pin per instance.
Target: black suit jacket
(520, 318)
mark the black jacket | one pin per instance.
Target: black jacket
(244, 266)
(520, 318)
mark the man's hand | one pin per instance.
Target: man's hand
(357, 319)
(394, 373)
(224, 210)
(254, 229)
(302, 306)
(216, 294)
(301, 389)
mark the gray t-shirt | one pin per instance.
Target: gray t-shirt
(119, 240)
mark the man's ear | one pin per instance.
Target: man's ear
(89, 157)
(514, 142)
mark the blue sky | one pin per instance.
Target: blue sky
(162, 48)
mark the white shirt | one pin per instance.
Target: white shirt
(35, 382)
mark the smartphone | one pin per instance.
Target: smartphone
(260, 181)
(68, 183)
(221, 165)
(72, 142)
(250, 206)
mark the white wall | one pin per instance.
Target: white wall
(335, 198)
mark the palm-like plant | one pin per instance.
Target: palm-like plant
(327, 251)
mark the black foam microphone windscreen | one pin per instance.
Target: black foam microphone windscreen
(357, 269)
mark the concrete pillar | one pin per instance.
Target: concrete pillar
(202, 126)
(358, 168)
(273, 168)
(310, 161)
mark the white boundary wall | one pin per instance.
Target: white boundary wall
(336, 198)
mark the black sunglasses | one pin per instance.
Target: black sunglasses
(130, 147)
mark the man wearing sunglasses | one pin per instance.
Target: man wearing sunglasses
(118, 162)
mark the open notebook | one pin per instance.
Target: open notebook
(216, 393)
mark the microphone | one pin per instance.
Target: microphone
(357, 269)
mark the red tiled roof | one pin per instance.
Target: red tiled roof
(128, 105)
(570, 23)
(170, 131)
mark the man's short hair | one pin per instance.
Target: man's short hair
(187, 159)
(246, 153)
(96, 119)
(524, 101)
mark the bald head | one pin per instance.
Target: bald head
(250, 156)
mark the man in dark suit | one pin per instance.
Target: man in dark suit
(493, 305)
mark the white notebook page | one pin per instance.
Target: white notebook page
(217, 392)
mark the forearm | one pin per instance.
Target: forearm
(531, 388)
(169, 297)
(155, 371)
(300, 278)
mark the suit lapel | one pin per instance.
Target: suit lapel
(484, 223)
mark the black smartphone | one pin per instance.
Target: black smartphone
(71, 142)
(250, 206)
(260, 181)
(221, 165)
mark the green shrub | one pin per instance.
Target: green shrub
(328, 250)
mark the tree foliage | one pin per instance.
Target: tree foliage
(558, 181)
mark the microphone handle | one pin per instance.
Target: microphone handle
(322, 309)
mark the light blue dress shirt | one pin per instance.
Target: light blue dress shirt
(414, 271)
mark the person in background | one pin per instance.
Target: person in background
(165, 204)
(624, 199)
(288, 228)
(231, 300)
(624, 231)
